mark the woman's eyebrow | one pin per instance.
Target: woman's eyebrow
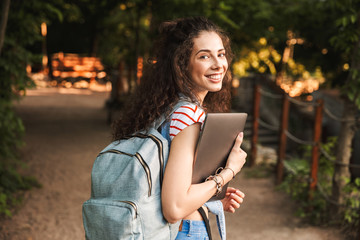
(208, 51)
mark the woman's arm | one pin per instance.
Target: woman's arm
(179, 197)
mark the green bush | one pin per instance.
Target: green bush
(11, 181)
(22, 34)
(317, 210)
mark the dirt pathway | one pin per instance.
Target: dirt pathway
(65, 131)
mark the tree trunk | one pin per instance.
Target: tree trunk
(120, 85)
(4, 17)
(347, 131)
(342, 173)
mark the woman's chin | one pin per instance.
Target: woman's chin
(215, 89)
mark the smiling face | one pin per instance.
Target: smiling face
(208, 63)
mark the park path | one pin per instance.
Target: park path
(66, 128)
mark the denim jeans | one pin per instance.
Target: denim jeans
(191, 229)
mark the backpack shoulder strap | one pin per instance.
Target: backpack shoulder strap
(206, 220)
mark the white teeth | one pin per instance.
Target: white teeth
(217, 76)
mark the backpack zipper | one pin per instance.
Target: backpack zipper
(116, 152)
(133, 205)
(147, 170)
(141, 161)
(159, 143)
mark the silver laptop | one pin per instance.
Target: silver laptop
(216, 140)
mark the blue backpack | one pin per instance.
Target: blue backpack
(126, 181)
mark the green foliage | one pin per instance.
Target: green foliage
(352, 201)
(11, 131)
(346, 23)
(22, 33)
(296, 184)
(11, 181)
(298, 177)
(347, 40)
(12, 184)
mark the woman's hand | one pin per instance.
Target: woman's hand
(237, 157)
(233, 199)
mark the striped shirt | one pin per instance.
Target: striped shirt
(184, 116)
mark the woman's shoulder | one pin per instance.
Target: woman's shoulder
(184, 116)
(189, 111)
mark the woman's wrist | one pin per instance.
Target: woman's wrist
(218, 181)
(222, 176)
(227, 174)
(230, 169)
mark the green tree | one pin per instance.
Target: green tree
(22, 32)
(347, 40)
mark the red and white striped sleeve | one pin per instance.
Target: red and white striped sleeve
(184, 116)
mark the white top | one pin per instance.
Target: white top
(185, 116)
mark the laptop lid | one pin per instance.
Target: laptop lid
(215, 143)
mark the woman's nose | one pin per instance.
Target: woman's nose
(216, 63)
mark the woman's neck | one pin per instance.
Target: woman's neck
(201, 96)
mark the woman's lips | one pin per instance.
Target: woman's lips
(215, 78)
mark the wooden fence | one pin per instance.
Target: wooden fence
(284, 134)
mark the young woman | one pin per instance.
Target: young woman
(191, 63)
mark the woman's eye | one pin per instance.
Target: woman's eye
(221, 54)
(204, 57)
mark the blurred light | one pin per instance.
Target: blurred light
(55, 64)
(147, 22)
(81, 84)
(292, 41)
(346, 67)
(122, 6)
(286, 54)
(262, 69)
(28, 68)
(262, 41)
(324, 51)
(306, 74)
(101, 74)
(271, 28)
(108, 86)
(53, 83)
(56, 73)
(300, 41)
(140, 65)
(61, 56)
(235, 83)
(43, 29)
(68, 84)
(44, 60)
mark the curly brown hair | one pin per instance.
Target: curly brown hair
(167, 76)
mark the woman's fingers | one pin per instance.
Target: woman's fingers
(230, 190)
(239, 140)
(231, 209)
(235, 195)
(240, 193)
(234, 204)
(237, 157)
(236, 198)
